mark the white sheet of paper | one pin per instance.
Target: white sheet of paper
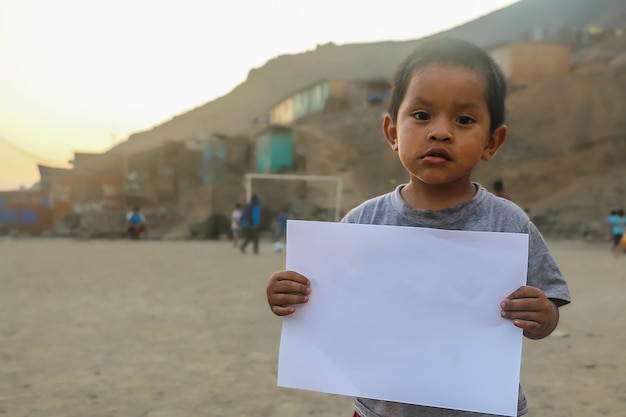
(405, 314)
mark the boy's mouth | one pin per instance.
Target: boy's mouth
(437, 153)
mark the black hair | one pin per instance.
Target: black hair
(455, 52)
(498, 186)
(255, 200)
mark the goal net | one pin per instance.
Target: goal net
(333, 199)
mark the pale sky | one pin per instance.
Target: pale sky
(82, 75)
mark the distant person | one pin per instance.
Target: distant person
(136, 224)
(498, 189)
(617, 224)
(280, 232)
(445, 114)
(612, 221)
(235, 227)
(250, 220)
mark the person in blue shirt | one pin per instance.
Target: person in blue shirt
(136, 223)
(617, 223)
(249, 221)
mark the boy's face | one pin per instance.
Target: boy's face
(442, 130)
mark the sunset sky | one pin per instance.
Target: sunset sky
(80, 75)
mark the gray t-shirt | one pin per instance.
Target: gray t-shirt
(484, 212)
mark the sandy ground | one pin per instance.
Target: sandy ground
(182, 329)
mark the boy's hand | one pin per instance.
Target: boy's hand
(532, 311)
(285, 289)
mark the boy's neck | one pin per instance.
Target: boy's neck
(437, 197)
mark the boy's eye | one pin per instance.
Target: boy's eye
(465, 120)
(421, 115)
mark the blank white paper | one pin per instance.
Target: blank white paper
(405, 314)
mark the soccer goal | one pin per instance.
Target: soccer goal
(248, 178)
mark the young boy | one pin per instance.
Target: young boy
(235, 227)
(446, 113)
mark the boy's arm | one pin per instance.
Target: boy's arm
(532, 311)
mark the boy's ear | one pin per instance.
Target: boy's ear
(494, 143)
(390, 132)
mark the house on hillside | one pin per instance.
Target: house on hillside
(274, 149)
(524, 62)
(274, 141)
(155, 176)
(93, 188)
(195, 178)
(198, 177)
(161, 173)
(328, 95)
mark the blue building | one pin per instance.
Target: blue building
(274, 149)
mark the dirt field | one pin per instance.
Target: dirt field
(181, 329)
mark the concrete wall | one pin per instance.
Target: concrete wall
(74, 194)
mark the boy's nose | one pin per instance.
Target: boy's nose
(440, 131)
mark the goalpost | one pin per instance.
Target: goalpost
(337, 180)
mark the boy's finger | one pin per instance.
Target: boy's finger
(283, 311)
(283, 299)
(290, 276)
(520, 304)
(524, 292)
(288, 287)
(530, 316)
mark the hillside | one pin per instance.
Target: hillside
(563, 159)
